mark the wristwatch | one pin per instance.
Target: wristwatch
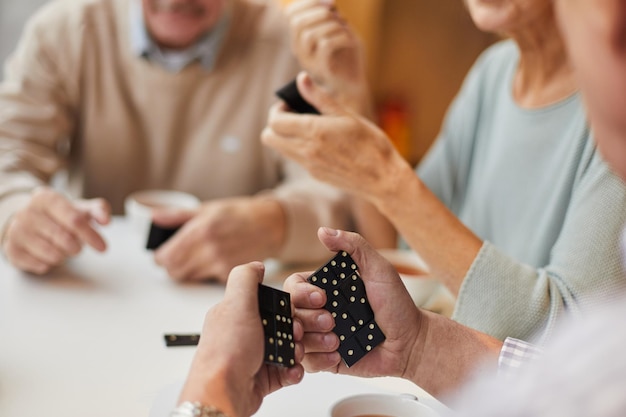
(195, 409)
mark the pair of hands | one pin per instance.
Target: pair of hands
(228, 371)
(213, 239)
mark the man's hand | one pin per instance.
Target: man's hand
(395, 312)
(228, 370)
(51, 229)
(219, 235)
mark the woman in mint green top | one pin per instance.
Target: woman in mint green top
(513, 208)
(531, 184)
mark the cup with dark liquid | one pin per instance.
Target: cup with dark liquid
(381, 405)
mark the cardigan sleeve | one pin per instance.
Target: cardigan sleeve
(505, 298)
(35, 110)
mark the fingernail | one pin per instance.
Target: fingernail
(331, 232)
(325, 321)
(329, 340)
(316, 299)
(308, 82)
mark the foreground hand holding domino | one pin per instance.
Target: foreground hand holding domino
(51, 228)
(430, 350)
(228, 370)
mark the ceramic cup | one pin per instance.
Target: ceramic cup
(381, 405)
(138, 206)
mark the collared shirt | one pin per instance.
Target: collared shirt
(514, 354)
(205, 50)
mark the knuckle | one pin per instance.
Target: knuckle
(77, 219)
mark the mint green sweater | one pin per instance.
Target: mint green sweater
(533, 186)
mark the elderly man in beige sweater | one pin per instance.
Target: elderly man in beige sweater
(139, 94)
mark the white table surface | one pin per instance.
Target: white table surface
(87, 340)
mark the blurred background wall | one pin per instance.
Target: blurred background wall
(419, 52)
(13, 14)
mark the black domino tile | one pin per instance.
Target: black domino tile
(172, 340)
(351, 351)
(369, 336)
(346, 300)
(290, 94)
(275, 310)
(158, 235)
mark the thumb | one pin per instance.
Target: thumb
(317, 96)
(242, 286)
(168, 217)
(368, 260)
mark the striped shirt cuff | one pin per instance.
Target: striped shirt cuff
(515, 354)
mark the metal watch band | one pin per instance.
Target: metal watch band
(195, 409)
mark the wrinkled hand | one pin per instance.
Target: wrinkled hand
(395, 313)
(339, 147)
(329, 50)
(220, 235)
(228, 370)
(51, 228)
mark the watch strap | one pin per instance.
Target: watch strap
(195, 409)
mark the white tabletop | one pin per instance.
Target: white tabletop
(87, 339)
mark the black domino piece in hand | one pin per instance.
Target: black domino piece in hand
(181, 339)
(275, 310)
(289, 94)
(159, 235)
(347, 302)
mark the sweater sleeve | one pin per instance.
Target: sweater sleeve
(34, 112)
(505, 298)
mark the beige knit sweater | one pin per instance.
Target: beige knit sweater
(74, 96)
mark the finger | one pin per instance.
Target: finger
(98, 208)
(318, 362)
(298, 328)
(359, 249)
(320, 342)
(309, 19)
(44, 251)
(25, 261)
(315, 36)
(63, 212)
(318, 320)
(78, 223)
(242, 286)
(318, 97)
(297, 7)
(328, 46)
(284, 124)
(303, 294)
(61, 238)
(291, 376)
(177, 253)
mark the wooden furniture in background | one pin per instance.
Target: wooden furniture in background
(418, 54)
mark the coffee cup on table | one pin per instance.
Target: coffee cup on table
(381, 405)
(139, 205)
